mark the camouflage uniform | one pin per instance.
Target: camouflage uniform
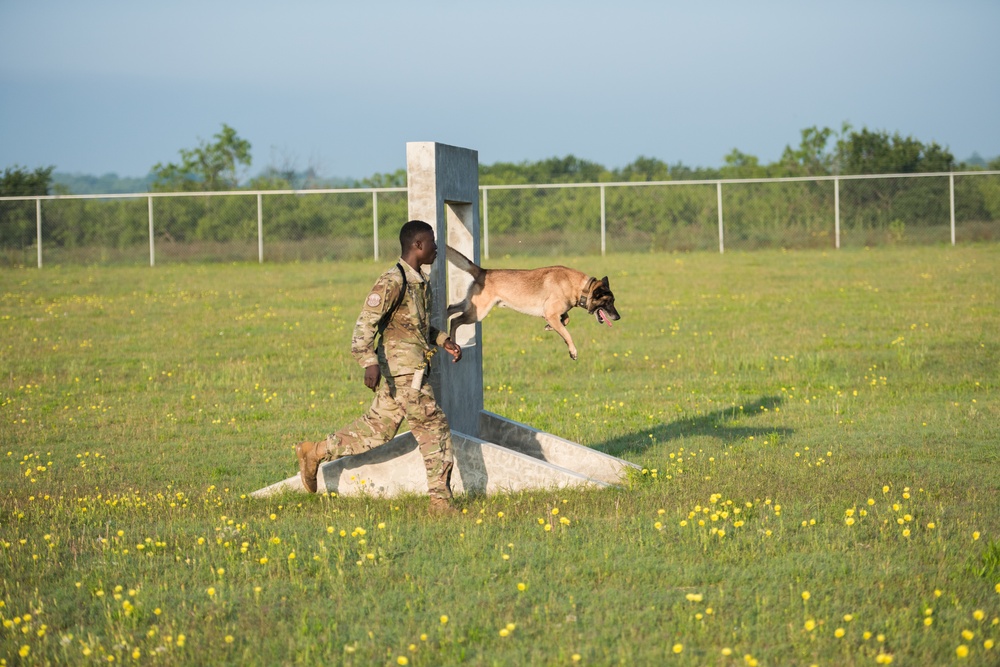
(403, 358)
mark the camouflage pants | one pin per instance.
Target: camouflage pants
(395, 400)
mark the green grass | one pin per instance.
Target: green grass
(774, 397)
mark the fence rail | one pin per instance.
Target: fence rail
(576, 218)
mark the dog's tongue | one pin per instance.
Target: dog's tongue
(603, 317)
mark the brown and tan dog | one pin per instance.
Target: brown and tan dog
(549, 292)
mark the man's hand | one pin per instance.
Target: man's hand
(372, 377)
(453, 349)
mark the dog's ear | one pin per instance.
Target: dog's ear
(601, 288)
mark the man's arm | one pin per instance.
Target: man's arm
(383, 294)
(441, 339)
(454, 349)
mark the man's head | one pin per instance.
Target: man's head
(416, 241)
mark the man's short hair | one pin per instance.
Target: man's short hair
(410, 231)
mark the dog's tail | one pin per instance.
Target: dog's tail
(466, 264)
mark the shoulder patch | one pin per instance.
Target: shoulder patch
(373, 300)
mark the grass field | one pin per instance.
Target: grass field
(819, 434)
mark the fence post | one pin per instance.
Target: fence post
(603, 224)
(152, 251)
(486, 225)
(260, 228)
(38, 225)
(718, 196)
(836, 212)
(375, 222)
(951, 184)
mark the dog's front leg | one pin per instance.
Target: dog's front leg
(555, 323)
(564, 318)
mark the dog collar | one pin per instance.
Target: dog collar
(587, 292)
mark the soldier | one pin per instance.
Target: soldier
(396, 313)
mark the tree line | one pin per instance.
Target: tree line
(656, 216)
(222, 165)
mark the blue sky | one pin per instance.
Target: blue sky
(102, 86)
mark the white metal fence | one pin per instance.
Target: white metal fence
(567, 219)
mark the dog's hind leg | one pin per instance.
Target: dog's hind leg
(467, 314)
(468, 317)
(472, 310)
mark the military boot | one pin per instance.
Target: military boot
(442, 507)
(310, 455)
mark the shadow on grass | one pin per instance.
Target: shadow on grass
(726, 425)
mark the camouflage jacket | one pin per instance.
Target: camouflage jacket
(409, 339)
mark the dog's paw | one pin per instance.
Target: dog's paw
(572, 355)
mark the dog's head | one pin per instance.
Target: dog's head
(602, 303)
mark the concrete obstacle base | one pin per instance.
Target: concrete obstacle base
(525, 458)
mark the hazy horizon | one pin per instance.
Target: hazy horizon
(116, 87)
